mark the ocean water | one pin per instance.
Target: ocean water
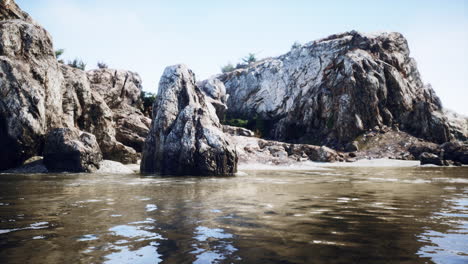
(326, 215)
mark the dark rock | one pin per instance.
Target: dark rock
(186, 137)
(352, 146)
(455, 151)
(71, 150)
(420, 147)
(352, 154)
(430, 158)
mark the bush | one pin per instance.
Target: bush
(249, 59)
(296, 45)
(77, 63)
(59, 53)
(227, 68)
(236, 122)
(147, 99)
(102, 65)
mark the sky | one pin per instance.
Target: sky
(145, 36)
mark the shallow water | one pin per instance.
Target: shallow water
(335, 215)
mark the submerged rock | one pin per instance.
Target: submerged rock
(332, 90)
(71, 150)
(430, 158)
(186, 137)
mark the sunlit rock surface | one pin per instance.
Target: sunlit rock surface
(30, 78)
(331, 90)
(186, 137)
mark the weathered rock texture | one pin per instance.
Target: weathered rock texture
(30, 95)
(38, 94)
(186, 137)
(332, 90)
(84, 108)
(121, 91)
(71, 150)
(252, 150)
(10, 10)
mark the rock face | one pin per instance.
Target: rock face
(10, 10)
(37, 94)
(85, 109)
(186, 137)
(121, 91)
(332, 90)
(30, 94)
(71, 150)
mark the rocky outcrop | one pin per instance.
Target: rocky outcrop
(30, 94)
(332, 90)
(121, 91)
(186, 137)
(38, 94)
(85, 109)
(10, 10)
(71, 150)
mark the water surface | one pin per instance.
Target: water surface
(335, 215)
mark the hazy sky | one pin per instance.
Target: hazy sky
(146, 36)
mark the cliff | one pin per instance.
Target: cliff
(332, 90)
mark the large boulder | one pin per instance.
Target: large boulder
(186, 137)
(332, 90)
(430, 158)
(71, 150)
(85, 109)
(30, 94)
(455, 151)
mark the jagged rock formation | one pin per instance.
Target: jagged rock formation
(186, 137)
(71, 150)
(332, 90)
(84, 108)
(38, 94)
(30, 95)
(10, 10)
(121, 91)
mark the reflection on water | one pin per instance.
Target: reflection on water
(336, 215)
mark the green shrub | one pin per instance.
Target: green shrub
(147, 100)
(77, 63)
(227, 68)
(102, 65)
(236, 122)
(249, 59)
